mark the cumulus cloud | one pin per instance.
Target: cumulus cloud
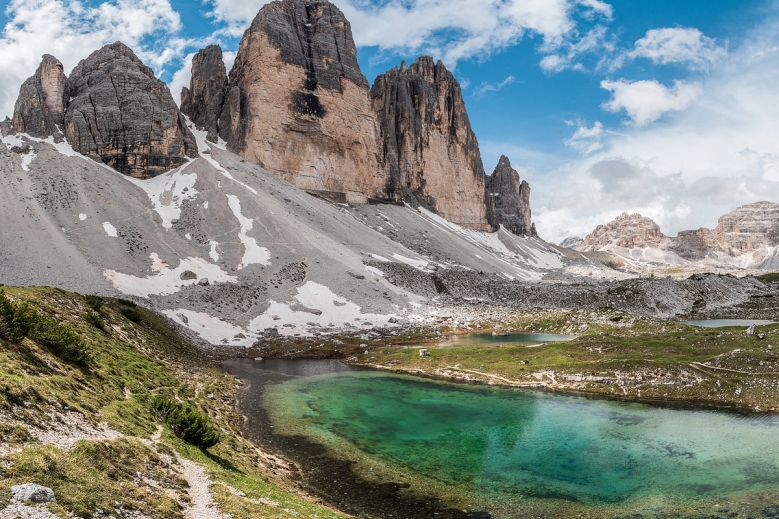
(647, 101)
(71, 30)
(450, 29)
(686, 172)
(679, 45)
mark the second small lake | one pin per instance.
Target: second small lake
(724, 323)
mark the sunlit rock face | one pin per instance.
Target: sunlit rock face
(298, 105)
(40, 108)
(428, 144)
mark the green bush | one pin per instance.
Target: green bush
(94, 302)
(64, 342)
(187, 423)
(16, 319)
(132, 314)
(95, 320)
(126, 302)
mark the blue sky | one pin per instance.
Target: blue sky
(660, 107)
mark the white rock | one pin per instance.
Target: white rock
(34, 493)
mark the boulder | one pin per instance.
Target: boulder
(298, 105)
(40, 107)
(508, 200)
(202, 102)
(121, 114)
(424, 353)
(30, 492)
(428, 144)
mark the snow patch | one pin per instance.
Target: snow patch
(167, 281)
(417, 264)
(210, 328)
(205, 204)
(27, 159)
(321, 307)
(380, 258)
(82, 217)
(213, 254)
(204, 148)
(168, 192)
(375, 271)
(110, 230)
(253, 253)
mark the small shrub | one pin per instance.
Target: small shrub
(94, 302)
(16, 319)
(64, 342)
(132, 314)
(95, 320)
(126, 302)
(616, 319)
(187, 423)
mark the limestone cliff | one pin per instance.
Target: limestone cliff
(629, 231)
(40, 107)
(121, 114)
(508, 200)
(202, 101)
(298, 105)
(428, 144)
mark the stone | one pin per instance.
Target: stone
(508, 200)
(424, 353)
(40, 107)
(204, 282)
(271, 332)
(428, 143)
(751, 330)
(202, 102)
(30, 492)
(298, 105)
(122, 115)
(188, 275)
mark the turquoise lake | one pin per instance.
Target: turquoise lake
(507, 451)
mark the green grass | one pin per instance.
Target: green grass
(131, 362)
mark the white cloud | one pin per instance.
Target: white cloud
(568, 54)
(679, 45)
(71, 30)
(587, 140)
(720, 153)
(647, 101)
(449, 29)
(485, 88)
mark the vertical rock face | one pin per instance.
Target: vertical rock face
(629, 231)
(202, 101)
(40, 108)
(749, 228)
(508, 200)
(298, 105)
(121, 114)
(428, 144)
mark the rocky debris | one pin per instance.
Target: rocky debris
(188, 275)
(202, 102)
(40, 107)
(628, 231)
(571, 242)
(298, 105)
(751, 329)
(424, 353)
(30, 492)
(120, 114)
(508, 200)
(428, 144)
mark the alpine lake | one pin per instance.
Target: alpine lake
(381, 444)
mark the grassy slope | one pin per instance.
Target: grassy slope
(637, 356)
(132, 362)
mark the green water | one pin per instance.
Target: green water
(498, 449)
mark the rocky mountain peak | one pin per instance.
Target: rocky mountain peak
(121, 114)
(428, 143)
(40, 108)
(298, 105)
(628, 231)
(204, 98)
(508, 200)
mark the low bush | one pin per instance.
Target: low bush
(187, 423)
(95, 320)
(126, 302)
(132, 314)
(94, 302)
(16, 319)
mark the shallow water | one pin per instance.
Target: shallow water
(723, 323)
(487, 339)
(506, 450)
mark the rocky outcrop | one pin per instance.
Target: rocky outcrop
(121, 114)
(629, 231)
(298, 105)
(428, 144)
(202, 102)
(508, 200)
(571, 242)
(40, 107)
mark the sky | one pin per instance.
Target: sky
(660, 107)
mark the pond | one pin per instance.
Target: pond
(487, 339)
(509, 453)
(723, 323)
